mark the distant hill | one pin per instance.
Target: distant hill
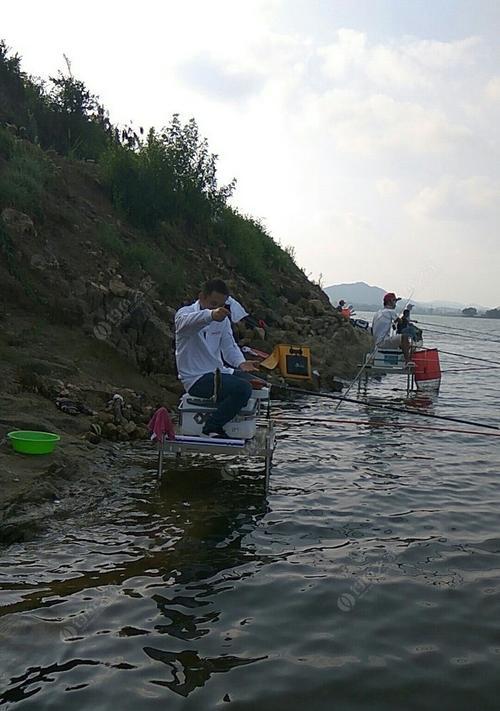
(365, 297)
(358, 294)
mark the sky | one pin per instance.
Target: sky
(364, 133)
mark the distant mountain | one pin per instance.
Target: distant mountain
(358, 294)
(365, 297)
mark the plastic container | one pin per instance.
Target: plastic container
(427, 369)
(194, 412)
(28, 442)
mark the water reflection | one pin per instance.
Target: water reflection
(174, 544)
(191, 671)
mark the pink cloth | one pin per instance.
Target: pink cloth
(161, 424)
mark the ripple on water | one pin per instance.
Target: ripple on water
(366, 578)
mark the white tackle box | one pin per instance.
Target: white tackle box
(194, 412)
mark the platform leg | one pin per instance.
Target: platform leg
(160, 458)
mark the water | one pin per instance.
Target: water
(367, 577)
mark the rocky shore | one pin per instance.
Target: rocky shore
(79, 325)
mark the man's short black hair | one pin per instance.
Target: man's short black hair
(215, 285)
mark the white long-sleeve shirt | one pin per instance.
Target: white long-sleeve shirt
(201, 343)
(382, 324)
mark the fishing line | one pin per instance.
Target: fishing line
(392, 408)
(468, 357)
(454, 328)
(369, 358)
(484, 339)
(379, 423)
(471, 369)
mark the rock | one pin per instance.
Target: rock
(272, 318)
(69, 311)
(293, 294)
(104, 418)
(165, 380)
(316, 307)
(79, 288)
(118, 288)
(156, 334)
(44, 262)
(130, 427)
(18, 222)
(132, 336)
(110, 429)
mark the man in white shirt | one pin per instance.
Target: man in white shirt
(204, 344)
(382, 327)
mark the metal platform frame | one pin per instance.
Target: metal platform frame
(262, 446)
(370, 369)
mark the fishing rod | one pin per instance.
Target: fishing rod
(368, 361)
(484, 339)
(468, 357)
(474, 368)
(378, 423)
(390, 408)
(454, 328)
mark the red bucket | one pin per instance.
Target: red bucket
(427, 367)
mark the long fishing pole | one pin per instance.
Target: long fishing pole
(454, 328)
(367, 362)
(472, 369)
(484, 339)
(468, 357)
(390, 408)
(378, 423)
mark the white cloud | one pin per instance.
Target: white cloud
(404, 64)
(386, 187)
(458, 199)
(367, 124)
(492, 89)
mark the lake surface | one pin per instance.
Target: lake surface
(366, 577)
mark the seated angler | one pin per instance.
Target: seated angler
(382, 325)
(407, 328)
(205, 344)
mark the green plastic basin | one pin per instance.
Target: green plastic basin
(28, 442)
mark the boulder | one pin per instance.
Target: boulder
(43, 262)
(118, 288)
(130, 427)
(18, 222)
(316, 307)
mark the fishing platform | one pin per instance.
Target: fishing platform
(252, 433)
(422, 372)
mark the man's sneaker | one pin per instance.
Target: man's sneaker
(215, 432)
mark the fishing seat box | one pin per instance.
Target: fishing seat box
(387, 357)
(194, 412)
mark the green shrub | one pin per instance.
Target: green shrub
(171, 176)
(110, 239)
(7, 143)
(25, 178)
(257, 255)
